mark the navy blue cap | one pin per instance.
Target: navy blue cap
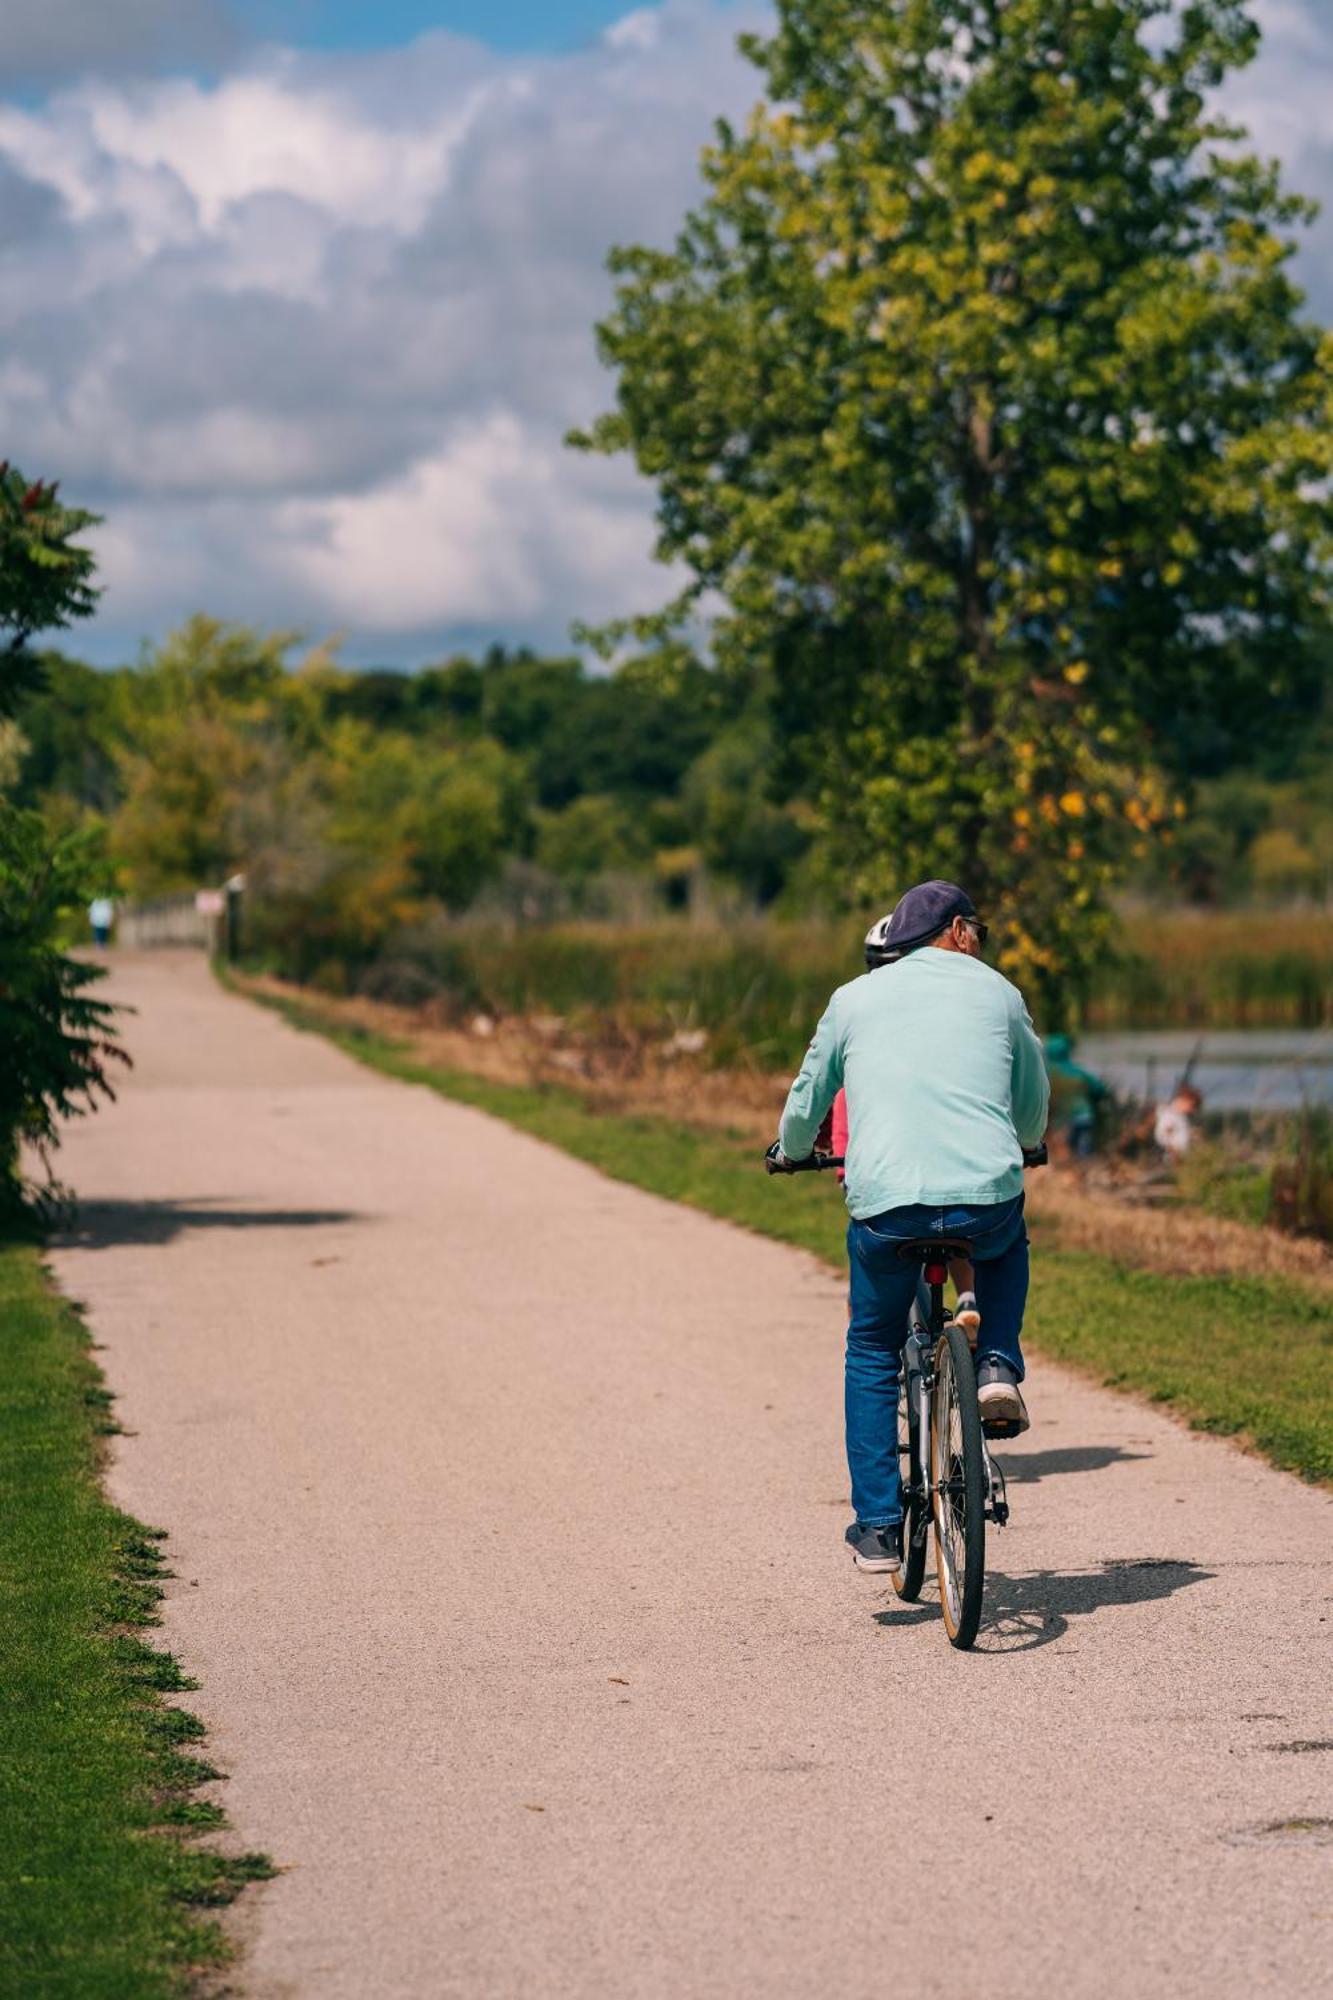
(924, 912)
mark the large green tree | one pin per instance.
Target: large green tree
(979, 390)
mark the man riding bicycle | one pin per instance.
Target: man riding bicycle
(945, 1086)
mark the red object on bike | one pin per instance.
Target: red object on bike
(936, 1274)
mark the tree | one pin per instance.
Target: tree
(195, 733)
(743, 834)
(590, 835)
(184, 779)
(978, 389)
(45, 575)
(445, 810)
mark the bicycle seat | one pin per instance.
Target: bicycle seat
(934, 1249)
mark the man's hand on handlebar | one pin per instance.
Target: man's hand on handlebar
(776, 1161)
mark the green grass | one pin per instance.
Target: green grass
(1248, 1358)
(102, 1883)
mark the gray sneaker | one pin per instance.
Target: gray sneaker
(878, 1549)
(1003, 1411)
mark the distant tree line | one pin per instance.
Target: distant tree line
(360, 803)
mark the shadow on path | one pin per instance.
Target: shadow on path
(1024, 1612)
(102, 1225)
(1026, 1468)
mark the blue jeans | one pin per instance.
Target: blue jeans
(883, 1284)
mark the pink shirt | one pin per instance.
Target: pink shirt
(840, 1128)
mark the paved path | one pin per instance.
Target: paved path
(507, 1503)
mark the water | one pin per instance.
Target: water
(1242, 1069)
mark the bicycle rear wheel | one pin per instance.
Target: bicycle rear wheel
(912, 1575)
(958, 1479)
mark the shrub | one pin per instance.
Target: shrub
(58, 1040)
(1301, 1201)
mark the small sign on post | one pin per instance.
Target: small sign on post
(211, 904)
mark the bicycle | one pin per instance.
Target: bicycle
(950, 1479)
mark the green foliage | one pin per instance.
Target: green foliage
(978, 389)
(369, 810)
(57, 1037)
(68, 734)
(588, 836)
(227, 760)
(45, 575)
(446, 810)
(1301, 1197)
(744, 835)
(361, 804)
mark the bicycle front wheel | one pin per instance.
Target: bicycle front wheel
(958, 1481)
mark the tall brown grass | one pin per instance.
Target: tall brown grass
(1219, 969)
(756, 988)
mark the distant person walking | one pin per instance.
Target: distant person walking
(101, 915)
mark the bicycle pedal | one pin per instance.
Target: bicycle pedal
(1002, 1427)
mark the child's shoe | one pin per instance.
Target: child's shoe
(967, 1315)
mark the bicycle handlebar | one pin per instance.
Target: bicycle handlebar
(817, 1163)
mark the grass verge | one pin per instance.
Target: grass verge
(1249, 1358)
(104, 1885)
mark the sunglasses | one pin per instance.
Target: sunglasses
(982, 930)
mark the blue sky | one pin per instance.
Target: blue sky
(504, 24)
(300, 294)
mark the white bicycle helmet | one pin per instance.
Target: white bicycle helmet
(878, 950)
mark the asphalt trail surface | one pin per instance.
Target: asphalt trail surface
(506, 1508)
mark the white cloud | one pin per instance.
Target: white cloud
(481, 531)
(310, 336)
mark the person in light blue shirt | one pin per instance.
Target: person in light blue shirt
(945, 1086)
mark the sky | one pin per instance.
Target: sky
(299, 294)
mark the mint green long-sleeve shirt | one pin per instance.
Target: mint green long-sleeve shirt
(945, 1084)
